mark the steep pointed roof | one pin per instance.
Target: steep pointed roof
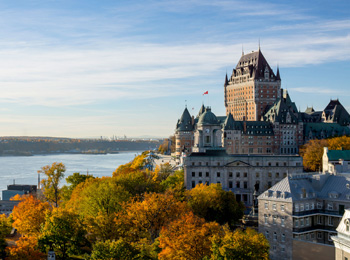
(226, 80)
(278, 77)
(185, 122)
(256, 63)
(228, 125)
(201, 110)
(283, 110)
(336, 113)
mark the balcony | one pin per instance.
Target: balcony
(332, 213)
(317, 227)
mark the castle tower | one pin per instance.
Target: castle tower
(252, 87)
(184, 133)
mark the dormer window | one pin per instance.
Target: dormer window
(347, 225)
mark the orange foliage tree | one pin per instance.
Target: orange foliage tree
(188, 237)
(29, 215)
(26, 249)
(144, 218)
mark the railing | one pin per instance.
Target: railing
(317, 211)
(314, 227)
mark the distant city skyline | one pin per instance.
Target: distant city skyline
(104, 68)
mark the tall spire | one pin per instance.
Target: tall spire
(259, 44)
(278, 77)
(242, 50)
(226, 80)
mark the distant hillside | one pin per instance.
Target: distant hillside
(48, 145)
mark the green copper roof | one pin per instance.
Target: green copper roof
(335, 155)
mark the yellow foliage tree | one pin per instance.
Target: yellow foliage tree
(188, 237)
(29, 215)
(248, 245)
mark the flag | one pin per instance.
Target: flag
(205, 93)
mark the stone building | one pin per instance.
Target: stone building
(299, 215)
(241, 174)
(252, 87)
(260, 117)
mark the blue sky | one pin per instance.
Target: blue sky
(103, 68)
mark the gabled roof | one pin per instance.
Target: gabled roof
(336, 113)
(336, 155)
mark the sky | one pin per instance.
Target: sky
(112, 68)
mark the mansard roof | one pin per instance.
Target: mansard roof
(282, 110)
(256, 63)
(185, 122)
(325, 130)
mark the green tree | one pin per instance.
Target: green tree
(64, 232)
(54, 174)
(5, 229)
(214, 204)
(114, 250)
(241, 245)
(73, 181)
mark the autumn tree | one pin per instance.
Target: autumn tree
(5, 229)
(29, 215)
(188, 237)
(114, 250)
(64, 232)
(247, 245)
(97, 202)
(26, 249)
(144, 218)
(214, 204)
(135, 165)
(73, 181)
(54, 174)
(175, 184)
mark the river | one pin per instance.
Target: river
(24, 169)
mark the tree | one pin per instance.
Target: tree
(244, 245)
(5, 229)
(114, 250)
(54, 174)
(73, 180)
(214, 204)
(64, 232)
(26, 249)
(29, 215)
(144, 218)
(175, 184)
(188, 237)
(312, 154)
(97, 201)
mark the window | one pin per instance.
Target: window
(301, 207)
(274, 220)
(245, 175)
(274, 206)
(245, 185)
(257, 175)
(301, 222)
(267, 234)
(238, 184)
(237, 174)
(277, 174)
(200, 174)
(193, 174)
(319, 205)
(330, 221)
(282, 221)
(312, 206)
(230, 184)
(218, 174)
(283, 237)
(269, 174)
(274, 236)
(230, 175)
(319, 219)
(319, 235)
(207, 139)
(193, 184)
(282, 207)
(266, 205)
(330, 206)
(347, 226)
(296, 223)
(207, 174)
(306, 221)
(265, 219)
(307, 206)
(296, 207)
